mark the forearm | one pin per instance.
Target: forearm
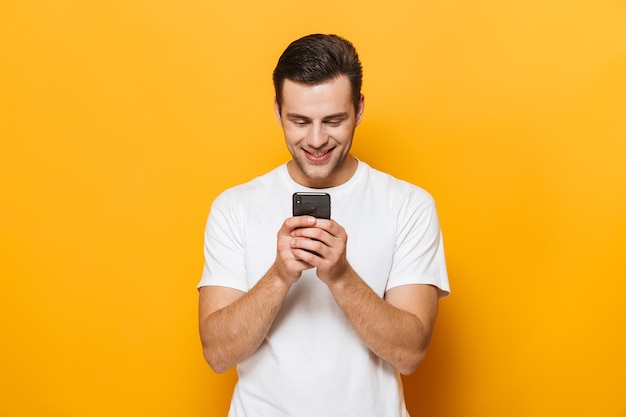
(395, 335)
(231, 334)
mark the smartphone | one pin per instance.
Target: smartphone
(311, 204)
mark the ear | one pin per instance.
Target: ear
(277, 112)
(360, 110)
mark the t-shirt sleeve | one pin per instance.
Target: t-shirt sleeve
(223, 246)
(419, 255)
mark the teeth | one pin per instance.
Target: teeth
(318, 155)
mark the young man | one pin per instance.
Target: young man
(316, 323)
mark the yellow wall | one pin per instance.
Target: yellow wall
(120, 121)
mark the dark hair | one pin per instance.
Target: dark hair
(315, 59)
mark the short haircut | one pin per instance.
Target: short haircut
(316, 59)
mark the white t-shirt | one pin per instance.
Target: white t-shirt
(312, 363)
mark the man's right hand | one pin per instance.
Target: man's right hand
(288, 267)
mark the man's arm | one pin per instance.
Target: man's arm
(397, 329)
(233, 324)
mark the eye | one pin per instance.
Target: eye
(333, 123)
(300, 123)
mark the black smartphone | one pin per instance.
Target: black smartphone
(311, 204)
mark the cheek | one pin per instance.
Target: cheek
(294, 135)
(344, 135)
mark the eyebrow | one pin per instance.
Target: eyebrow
(340, 115)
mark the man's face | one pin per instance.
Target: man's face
(319, 122)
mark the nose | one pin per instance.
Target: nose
(317, 136)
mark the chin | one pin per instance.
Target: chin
(318, 173)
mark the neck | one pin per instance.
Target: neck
(337, 178)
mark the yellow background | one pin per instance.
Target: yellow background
(120, 121)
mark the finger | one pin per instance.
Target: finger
(332, 227)
(299, 221)
(306, 257)
(310, 233)
(302, 248)
(292, 223)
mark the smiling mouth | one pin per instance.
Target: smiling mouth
(318, 156)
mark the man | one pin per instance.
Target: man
(320, 316)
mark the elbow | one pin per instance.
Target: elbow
(213, 354)
(408, 369)
(411, 363)
(413, 356)
(218, 366)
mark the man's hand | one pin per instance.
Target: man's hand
(289, 265)
(322, 244)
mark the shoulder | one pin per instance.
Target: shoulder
(259, 187)
(398, 192)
